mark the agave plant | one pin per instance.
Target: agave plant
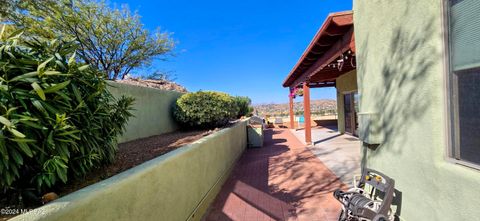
(57, 118)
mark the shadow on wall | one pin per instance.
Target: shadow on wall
(399, 96)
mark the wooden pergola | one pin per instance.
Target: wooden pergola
(330, 54)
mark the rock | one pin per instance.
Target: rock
(48, 197)
(158, 84)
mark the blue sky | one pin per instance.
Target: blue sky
(240, 47)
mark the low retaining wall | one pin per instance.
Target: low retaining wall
(153, 110)
(179, 185)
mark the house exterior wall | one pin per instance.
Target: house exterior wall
(401, 76)
(345, 83)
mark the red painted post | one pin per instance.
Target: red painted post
(292, 118)
(306, 113)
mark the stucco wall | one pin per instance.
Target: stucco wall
(255, 136)
(153, 110)
(176, 186)
(340, 113)
(345, 83)
(401, 77)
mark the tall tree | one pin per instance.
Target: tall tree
(112, 39)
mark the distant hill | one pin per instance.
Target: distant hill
(324, 106)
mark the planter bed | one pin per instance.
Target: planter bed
(133, 153)
(178, 185)
(130, 154)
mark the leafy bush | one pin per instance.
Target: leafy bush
(243, 104)
(205, 109)
(57, 119)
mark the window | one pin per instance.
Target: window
(464, 79)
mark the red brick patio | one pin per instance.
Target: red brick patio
(281, 181)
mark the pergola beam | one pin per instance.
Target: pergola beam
(325, 76)
(327, 83)
(323, 84)
(337, 49)
(317, 52)
(326, 42)
(335, 30)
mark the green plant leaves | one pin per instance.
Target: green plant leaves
(39, 107)
(39, 90)
(16, 156)
(57, 119)
(52, 73)
(205, 109)
(5, 121)
(16, 133)
(2, 31)
(243, 104)
(23, 76)
(71, 60)
(24, 147)
(3, 150)
(57, 87)
(41, 67)
(84, 67)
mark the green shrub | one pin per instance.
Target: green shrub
(243, 104)
(205, 109)
(57, 118)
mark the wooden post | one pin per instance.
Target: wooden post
(292, 118)
(306, 113)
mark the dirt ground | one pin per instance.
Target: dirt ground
(136, 152)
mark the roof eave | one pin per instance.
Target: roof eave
(288, 81)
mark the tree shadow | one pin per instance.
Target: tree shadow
(398, 79)
(403, 72)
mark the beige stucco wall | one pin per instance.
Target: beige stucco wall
(255, 136)
(401, 77)
(345, 83)
(176, 186)
(152, 110)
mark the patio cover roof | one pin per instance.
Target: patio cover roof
(334, 39)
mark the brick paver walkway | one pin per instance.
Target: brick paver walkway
(281, 181)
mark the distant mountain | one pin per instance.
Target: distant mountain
(324, 106)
